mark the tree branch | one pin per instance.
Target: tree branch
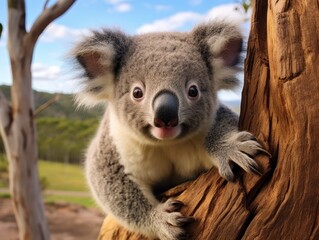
(47, 104)
(5, 114)
(47, 16)
(45, 4)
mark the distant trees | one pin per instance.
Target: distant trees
(17, 120)
(64, 140)
(63, 131)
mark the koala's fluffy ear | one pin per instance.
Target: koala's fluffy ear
(220, 43)
(99, 56)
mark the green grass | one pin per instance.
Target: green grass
(83, 201)
(5, 195)
(64, 177)
(3, 183)
(59, 176)
(3, 171)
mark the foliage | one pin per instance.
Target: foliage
(3, 164)
(63, 108)
(246, 4)
(5, 195)
(44, 183)
(61, 139)
(4, 168)
(63, 131)
(64, 140)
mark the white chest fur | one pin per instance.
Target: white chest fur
(151, 164)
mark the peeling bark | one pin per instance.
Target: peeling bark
(280, 106)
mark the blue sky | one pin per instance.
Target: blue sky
(51, 71)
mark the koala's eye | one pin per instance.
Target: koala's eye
(193, 92)
(138, 93)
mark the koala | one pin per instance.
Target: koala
(163, 124)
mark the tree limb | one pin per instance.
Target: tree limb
(47, 16)
(47, 104)
(45, 4)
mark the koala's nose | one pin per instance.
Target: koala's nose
(165, 107)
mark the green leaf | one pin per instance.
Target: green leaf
(246, 4)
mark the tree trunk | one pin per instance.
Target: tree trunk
(17, 121)
(280, 106)
(22, 153)
(20, 135)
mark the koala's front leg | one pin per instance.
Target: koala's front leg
(131, 203)
(225, 144)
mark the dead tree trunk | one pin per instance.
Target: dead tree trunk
(280, 105)
(16, 120)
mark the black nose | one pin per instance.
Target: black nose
(165, 107)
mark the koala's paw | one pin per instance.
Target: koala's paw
(240, 148)
(168, 222)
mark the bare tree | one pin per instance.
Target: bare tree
(17, 120)
(280, 105)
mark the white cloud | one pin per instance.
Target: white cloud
(56, 32)
(58, 86)
(52, 78)
(123, 7)
(44, 72)
(232, 12)
(171, 23)
(225, 95)
(119, 5)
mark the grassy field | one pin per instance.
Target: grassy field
(64, 177)
(60, 177)
(84, 201)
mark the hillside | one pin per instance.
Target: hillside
(63, 131)
(63, 108)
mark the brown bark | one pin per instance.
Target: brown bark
(17, 125)
(280, 105)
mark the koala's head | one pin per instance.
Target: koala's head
(160, 86)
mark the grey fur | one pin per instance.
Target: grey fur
(129, 159)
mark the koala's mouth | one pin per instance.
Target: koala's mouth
(166, 133)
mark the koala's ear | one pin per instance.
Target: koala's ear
(99, 57)
(220, 44)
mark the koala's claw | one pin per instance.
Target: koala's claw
(240, 148)
(173, 205)
(248, 140)
(169, 223)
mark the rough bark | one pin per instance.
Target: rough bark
(17, 125)
(280, 106)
